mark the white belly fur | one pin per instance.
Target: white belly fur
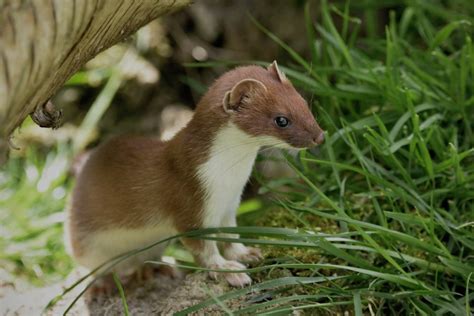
(225, 174)
(105, 245)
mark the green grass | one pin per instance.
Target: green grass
(380, 221)
(121, 293)
(33, 191)
(396, 174)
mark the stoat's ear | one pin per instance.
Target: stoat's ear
(275, 71)
(243, 92)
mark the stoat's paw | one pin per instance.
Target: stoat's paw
(144, 273)
(102, 286)
(169, 271)
(239, 252)
(237, 279)
(147, 272)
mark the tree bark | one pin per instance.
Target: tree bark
(44, 42)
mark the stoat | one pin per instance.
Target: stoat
(133, 191)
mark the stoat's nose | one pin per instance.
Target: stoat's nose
(319, 139)
(318, 135)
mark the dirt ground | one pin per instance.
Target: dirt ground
(159, 296)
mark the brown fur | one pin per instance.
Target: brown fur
(127, 180)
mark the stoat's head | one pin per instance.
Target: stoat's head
(267, 106)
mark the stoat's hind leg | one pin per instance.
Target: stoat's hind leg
(104, 282)
(129, 269)
(150, 271)
(169, 269)
(104, 285)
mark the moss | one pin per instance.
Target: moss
(280, 217)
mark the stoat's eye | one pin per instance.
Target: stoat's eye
(282, 121)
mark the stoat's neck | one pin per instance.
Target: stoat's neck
(214, 157)
(226, 171)
(231, 156)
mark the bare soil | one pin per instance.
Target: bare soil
(161, 295)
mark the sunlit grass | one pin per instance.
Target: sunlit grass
(33, 192)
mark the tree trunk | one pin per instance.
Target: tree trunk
(43, 42)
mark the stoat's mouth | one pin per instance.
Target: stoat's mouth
(270, 141)
(293, 143)
(302, 144)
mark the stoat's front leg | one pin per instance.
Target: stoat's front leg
(207, 255)
(238, 251)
